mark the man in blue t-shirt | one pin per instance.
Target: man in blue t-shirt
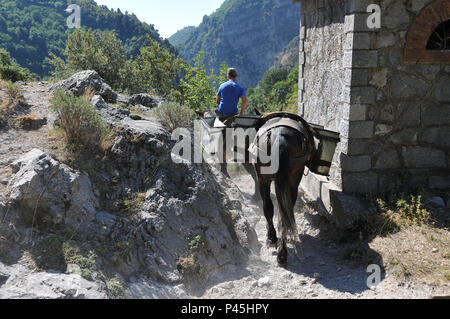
(229, 94)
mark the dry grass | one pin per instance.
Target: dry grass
(412, 240)
(421, 252)
(12, 98)
(187, 265)
(28, 122)
(58, 146)
(88, 94)
(173, 115)
(21, 120)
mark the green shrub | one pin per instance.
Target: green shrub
(388, 216)
(73, 254)
(10, 70)
(173, 115)
(14, 91)
(78, 119)
(413, 210)
(115, 288)
(278, 89)
(61, 70)
(197, 243)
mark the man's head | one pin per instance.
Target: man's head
(232, 74)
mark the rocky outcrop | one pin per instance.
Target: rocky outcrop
(25, 285)
(147, 220)
(81, 81)
(186, 209)
(50, 192)
(143, 99)
(110, 114)
(99, 102)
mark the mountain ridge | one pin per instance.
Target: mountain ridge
(246, 34)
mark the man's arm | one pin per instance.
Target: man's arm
(244, 104)
(217, 100)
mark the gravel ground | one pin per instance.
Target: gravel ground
(320, 272)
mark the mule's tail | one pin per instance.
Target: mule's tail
(284, 192)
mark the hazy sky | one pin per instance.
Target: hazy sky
(168, 16)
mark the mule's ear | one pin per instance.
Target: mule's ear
(257, 112)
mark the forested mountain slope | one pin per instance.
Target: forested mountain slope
(30, 29)
(246, 34)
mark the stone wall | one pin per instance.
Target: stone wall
(322, 94)
(394, 118)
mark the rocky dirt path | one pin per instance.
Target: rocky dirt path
(320, 273)
(16, 142)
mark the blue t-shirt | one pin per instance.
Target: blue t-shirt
(229, 93)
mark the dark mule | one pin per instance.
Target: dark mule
(296, 147)
(294, 139)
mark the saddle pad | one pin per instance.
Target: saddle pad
(282, 121)
(273, 123)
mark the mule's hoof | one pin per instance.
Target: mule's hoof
(272, 242)
(282, 261)
(282, 257)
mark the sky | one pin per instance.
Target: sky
(168, 16)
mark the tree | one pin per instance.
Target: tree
(101, 51)
(155, 69)
(278, 89)
(198, 88)
(271, 77)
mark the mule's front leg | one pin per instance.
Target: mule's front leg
(264, 189)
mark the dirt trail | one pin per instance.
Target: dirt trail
(320, 273)
(16, 142)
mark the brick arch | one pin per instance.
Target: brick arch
(419, 33)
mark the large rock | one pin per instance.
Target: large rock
(50, 191)
(81, 81)
(143, 99)
(111, 115)
(99, 102)
(44, 285)
(158, 223)
(183, 203)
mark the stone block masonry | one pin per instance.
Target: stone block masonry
(393, 112)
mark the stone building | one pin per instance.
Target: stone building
(385, 88)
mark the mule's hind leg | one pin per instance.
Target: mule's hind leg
(294, 182)
(264, 190)
(282, 249)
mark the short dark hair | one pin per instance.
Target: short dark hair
(232, 73)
